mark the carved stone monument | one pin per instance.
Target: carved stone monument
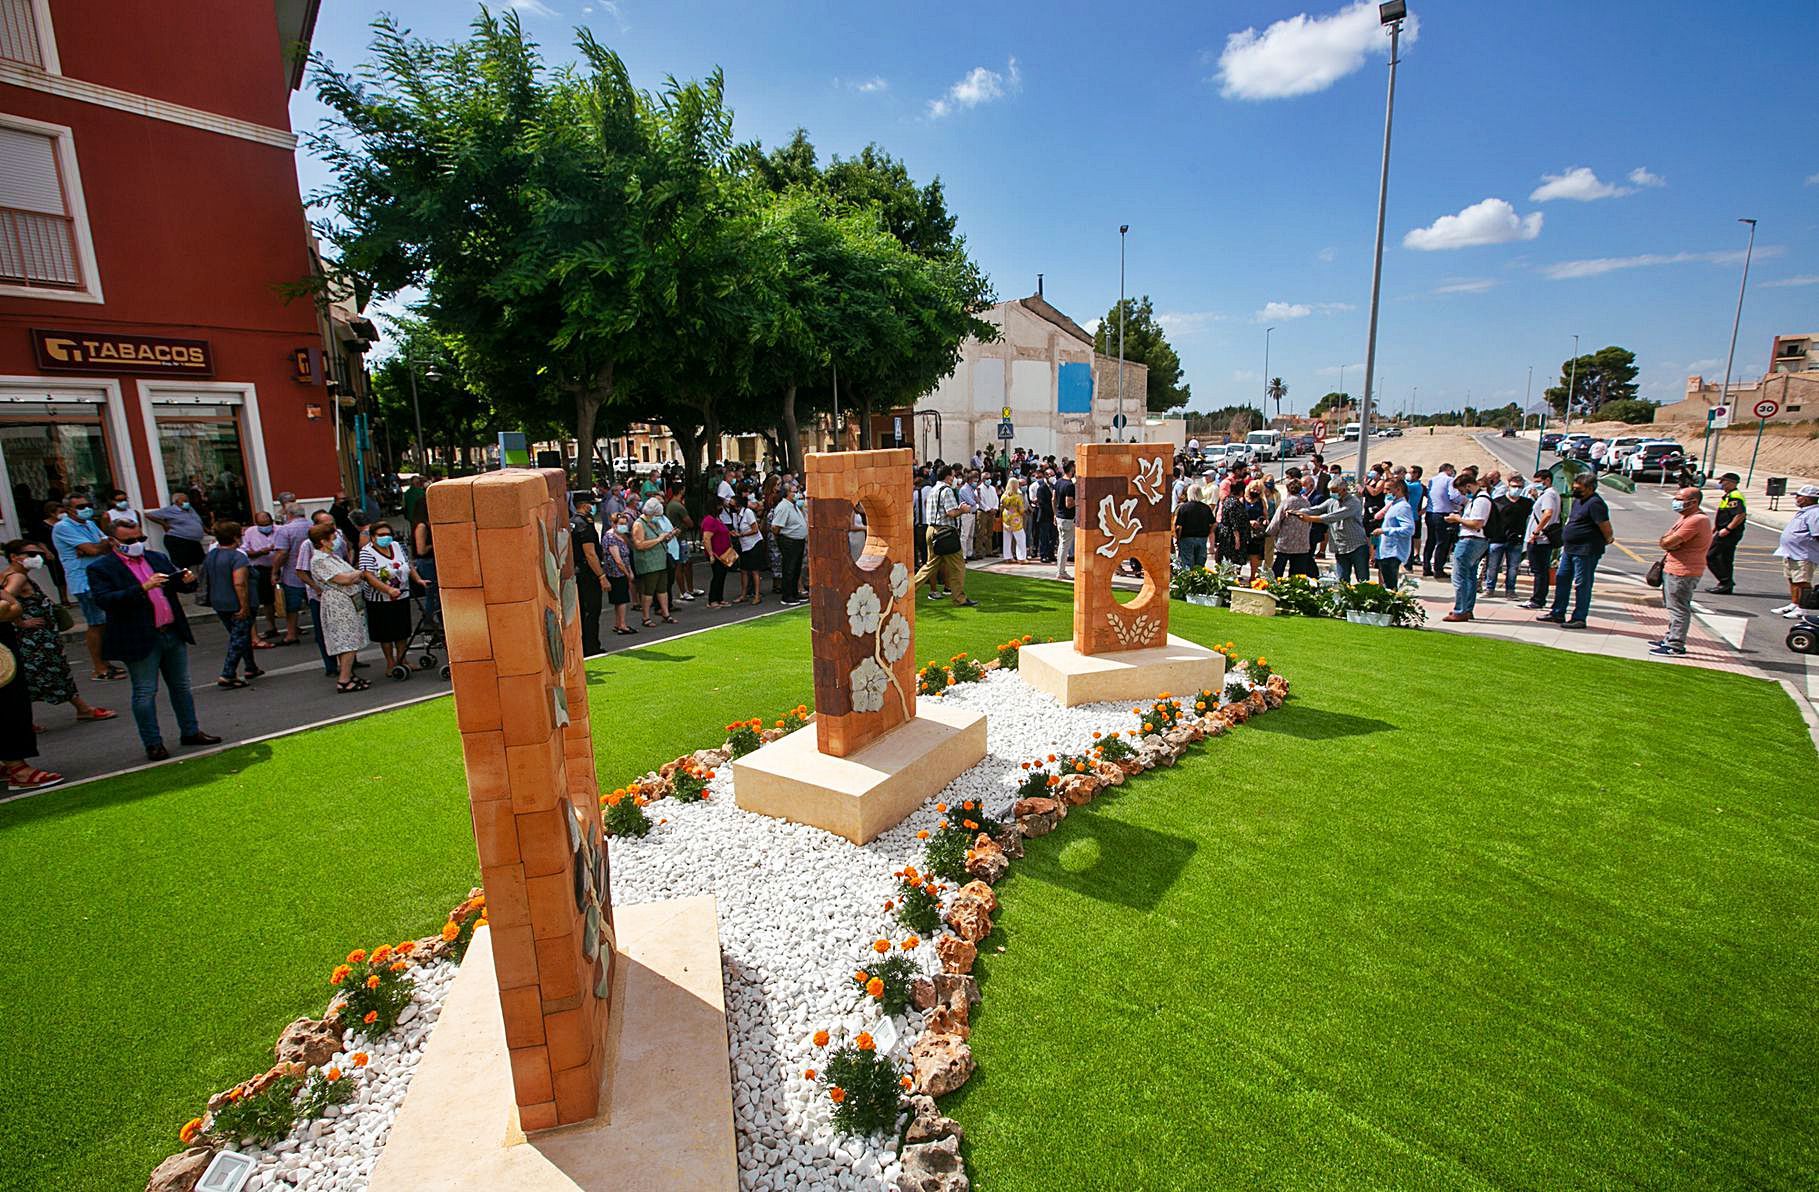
(531, 1036)
(870, 756)
(1121, 651)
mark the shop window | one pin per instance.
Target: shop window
(202, 456)
(45, 249)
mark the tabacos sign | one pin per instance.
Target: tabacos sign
(101, 351)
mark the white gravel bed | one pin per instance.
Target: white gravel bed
(337, 1151)
(799, 909)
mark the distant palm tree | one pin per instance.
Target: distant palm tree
(1278, 391)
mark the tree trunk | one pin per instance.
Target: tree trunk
(589, 398)
(865, 424)
(791, 445)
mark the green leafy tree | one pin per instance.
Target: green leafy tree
(1636, 412)
(1607, 375)
(1145, 343)
(1330, 403)
(1276, 391)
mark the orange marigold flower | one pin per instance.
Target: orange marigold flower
(382, 953)
(837, 1094)
(942, 824)
(1262, 661)
(450, 931)
(360, 1059)
(1028, 637)
(331, 1073)
(407, 947)
(860, 976)
(339, 975)
(1199, 705)
(1148, 727)
(863, 1041)
(190, 1130)
(1051, 757)
(970, 825)
(820, 1038)
(372, 1016)
(922, 835)
(356, 956)
(881, 946)
(875, 987)
(1054, 780)
(890, 904)
(904, 1081)
(911, 942)
(1026, 765)
(372, 982)
(1095, 735)
(808, 1073)
(941, 807)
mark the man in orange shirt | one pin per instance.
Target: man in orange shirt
(1685, 543)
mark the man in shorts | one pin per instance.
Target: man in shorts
(1798, 550)
(79, 542)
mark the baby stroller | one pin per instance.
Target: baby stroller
(427, 637)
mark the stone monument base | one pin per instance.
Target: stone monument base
(666, 1121)
(870, 791)
(1181, 668)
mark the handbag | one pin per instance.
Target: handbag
(728, 558)
(1654, 572)
(947, 541)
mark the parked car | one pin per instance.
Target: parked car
(1661, 457)
(1305, 445)
(1508, 432)
(1351, 431)
(1550, 439)
(1265, 444)
(1621, 448)
(1565, 445)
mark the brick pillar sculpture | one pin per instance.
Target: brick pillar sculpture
(510, 614)
(1123, 513)
(863, 611)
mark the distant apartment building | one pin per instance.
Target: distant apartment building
(1792, 383)
(149, 222)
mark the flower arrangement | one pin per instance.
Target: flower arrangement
(1215, 582)
(795, 718)
(1400, 606)
(688, 782)
(918, 901)
(1226, 650)
(966, 669)
(1009, 652)
(887, 981)
(1112, 747)
(1160, 716)
(457, 931)
(865, 1087)
(622, 812)
(945, 855)
(1260, 671)
(1260, 584)
(742, 737)
(269, 1114)
(933, 679)
(1235, 689)
(1038, 780)
(373, 989)
(1298, 596)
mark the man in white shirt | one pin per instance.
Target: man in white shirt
(969, 496)
(1542, 535)
(985, 521)
(1470, 520)
(1798, 549)
(791, 523)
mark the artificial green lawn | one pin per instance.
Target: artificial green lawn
(1465, 912)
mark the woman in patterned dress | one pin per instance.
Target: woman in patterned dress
(343, 621)
(41, 657)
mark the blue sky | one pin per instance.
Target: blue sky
(1594, 160)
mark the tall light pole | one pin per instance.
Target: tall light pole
(1342, 379)
(1572, 383)
(429, 373)
(1724, 394)
(1391, 14)
(1263, 405)
(1123, 233)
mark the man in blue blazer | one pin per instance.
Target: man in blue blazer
(146, 629)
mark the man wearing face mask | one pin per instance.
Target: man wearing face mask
(147, 630)
(1686, 542)
(590, 572)
(182, 530)
(791, 524)
(79, 542)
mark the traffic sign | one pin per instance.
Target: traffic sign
(1319, 432)
(1119, 422)
(1006, 430)
(1767, 409)
(1005, 413)
(1719, 418)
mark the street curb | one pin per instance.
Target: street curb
(1806, 710)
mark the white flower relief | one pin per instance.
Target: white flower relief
(900, 581)
(894, 641)
(869, 681)
(862, 611)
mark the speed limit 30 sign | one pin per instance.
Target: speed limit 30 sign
(1767, 409)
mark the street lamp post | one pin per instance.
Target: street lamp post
(1572, 383)
(1725, 393)
(429, 373)
(1391, 14)
(1123, 233)
(1263, 406)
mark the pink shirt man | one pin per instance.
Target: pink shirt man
(162, 614)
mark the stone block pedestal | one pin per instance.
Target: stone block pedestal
(1181, 668)
(866, 792)
(666, 1111)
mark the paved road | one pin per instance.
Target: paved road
(293, 694)
(1640, 518)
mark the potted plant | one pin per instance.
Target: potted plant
(1373, 604)
(1203, 585)
(1298, 596)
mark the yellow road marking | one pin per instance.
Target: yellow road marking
(1632, 554)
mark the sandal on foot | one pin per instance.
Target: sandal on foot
(27, 778)
(352, 685)
(112, 674)
(97, 714)
(230, 684)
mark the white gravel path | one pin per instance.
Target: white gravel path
(799, 909)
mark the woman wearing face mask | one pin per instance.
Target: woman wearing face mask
(260, 544)
(651, 561)
(717, 537)
(754, 559)
(338, 604)
(388, 617)
(616, 560)
(18, 735)
(1011, 507)
(791, 525)
(41, 657)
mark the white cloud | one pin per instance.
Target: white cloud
(981, 85)
(1805, 279)
(535, 8)
(1188, 322)
(1303, 54)
(1699, 366)
(1491, 221)
(1578, 184)
(1328, 255)
(1596, 266)
(1091, 326)
(1467, 285)
(873, 85)
(1245, 374)
(1812, 179)
(1275, 312)
(1640, 176)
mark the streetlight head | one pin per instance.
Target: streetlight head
(1750, 222)
(432, 373)
(1123, 228)
(1392, 11)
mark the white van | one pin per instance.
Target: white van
(1265, 444)
(1351, 431)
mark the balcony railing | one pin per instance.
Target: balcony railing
(37, 249)
(19, 33)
